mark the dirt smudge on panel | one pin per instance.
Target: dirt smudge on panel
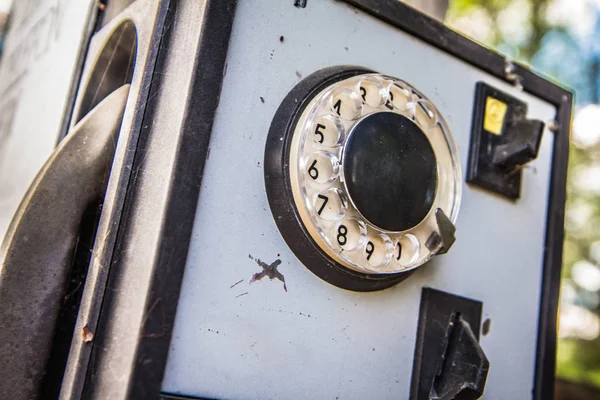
(235, 284)
(300, 3)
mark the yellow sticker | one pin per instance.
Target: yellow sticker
(495, 111)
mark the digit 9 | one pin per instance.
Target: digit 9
(378, 250)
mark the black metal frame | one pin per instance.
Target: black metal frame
(152, 347)
(188, 173)
(186, 177)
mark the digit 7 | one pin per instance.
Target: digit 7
(325, 200)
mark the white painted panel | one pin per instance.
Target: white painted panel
(316, 341)
(36, 70)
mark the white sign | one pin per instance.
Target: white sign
(36, 71)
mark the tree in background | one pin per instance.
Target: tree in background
(433, 8)
(560, 38)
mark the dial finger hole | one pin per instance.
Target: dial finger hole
(327, 131)
(378, 250)
(399, 97)
(346, 104)
(350, 234)
(322, 167)
(372, 93)
(425, 114)
(331, 204)
(407, 250)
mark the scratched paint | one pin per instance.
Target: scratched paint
(269, 270)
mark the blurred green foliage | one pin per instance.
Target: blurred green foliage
(523, 30)
(538, 25)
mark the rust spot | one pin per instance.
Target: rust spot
(298, 74)
(269, 270)
(86, 335)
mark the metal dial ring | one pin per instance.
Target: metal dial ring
(330, 142)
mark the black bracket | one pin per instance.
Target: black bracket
(449, 362)
(503, 140)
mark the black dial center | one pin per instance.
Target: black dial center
(390, 171)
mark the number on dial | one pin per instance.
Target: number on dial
(322, 167)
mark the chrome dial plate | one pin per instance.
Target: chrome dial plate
(320, 190)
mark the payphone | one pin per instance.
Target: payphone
(318, 199)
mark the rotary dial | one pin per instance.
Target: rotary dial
(375, 174)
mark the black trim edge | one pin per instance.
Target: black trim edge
(81, 360)
(159, 310)
(167, 273)
(553, 253)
